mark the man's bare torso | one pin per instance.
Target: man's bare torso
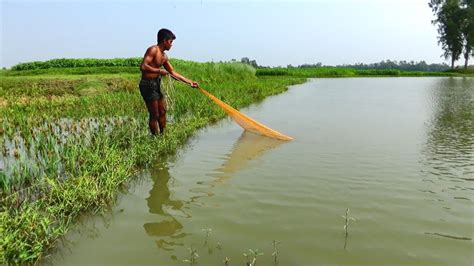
(159, 58)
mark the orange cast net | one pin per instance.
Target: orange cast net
(246, 122)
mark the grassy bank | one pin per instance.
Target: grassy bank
(350, 72)
(72, 140)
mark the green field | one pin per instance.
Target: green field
(75, 132)
(312, 72)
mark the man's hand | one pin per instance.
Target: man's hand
(194, 84)
(163, 72)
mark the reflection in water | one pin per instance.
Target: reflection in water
(248, 147)
(160, 195)
(450, 145)
(449, 149)
(158, 200)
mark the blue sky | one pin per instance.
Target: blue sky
(275, 33)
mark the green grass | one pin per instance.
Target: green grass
(72, 141)
(349, 72)
(72, 71)
(466, 71)
(78, 63)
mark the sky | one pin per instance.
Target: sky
(274, 33)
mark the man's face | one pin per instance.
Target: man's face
(168, 44)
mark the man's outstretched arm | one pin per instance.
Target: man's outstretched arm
(178, 76)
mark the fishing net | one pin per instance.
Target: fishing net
(246, 122)
(170, 93)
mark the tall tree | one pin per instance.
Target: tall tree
(449, 20)
(467, 29)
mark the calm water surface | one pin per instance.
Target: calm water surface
(398, 152)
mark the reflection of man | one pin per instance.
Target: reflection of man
(160, 193)
(160, 197)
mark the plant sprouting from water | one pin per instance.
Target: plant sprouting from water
(347, 218)
(193, 256)
(275, 251)
(208, 232)
(251, 257)
(226, 261)
(346, 225)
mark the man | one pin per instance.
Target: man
(150, 90)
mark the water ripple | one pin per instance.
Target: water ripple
(449, 236)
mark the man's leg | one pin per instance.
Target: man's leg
(153, 110)
(162, 114)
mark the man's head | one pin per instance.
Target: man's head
(165, 37)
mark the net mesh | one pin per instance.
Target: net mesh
(246, 122)
(170, 92)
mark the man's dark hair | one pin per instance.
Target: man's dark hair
(165, 34)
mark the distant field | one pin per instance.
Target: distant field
(350, 72)
(131, 66)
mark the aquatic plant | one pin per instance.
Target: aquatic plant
(275, 251)
(347, 219)
(346, 226)
(193, 256)
(226, 261)
(251, 257)
(208, 232)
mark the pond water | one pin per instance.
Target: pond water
(398, 152)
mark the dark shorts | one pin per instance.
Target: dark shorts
(150, 89)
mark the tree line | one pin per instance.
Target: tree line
(398, 65)
(455, 21)
(385, 64)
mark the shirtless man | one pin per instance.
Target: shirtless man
(153, 60)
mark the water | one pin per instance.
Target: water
(398, 152)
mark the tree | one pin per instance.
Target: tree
(467, 29)
(449, 17)
(246, 60)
